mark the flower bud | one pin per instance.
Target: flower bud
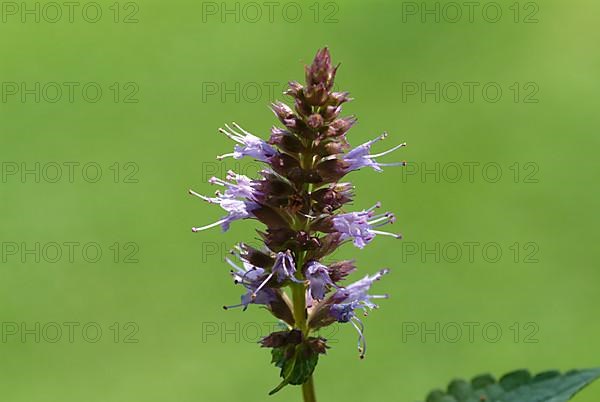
(315, 121)
(332, 170)
(341, 269)
(270, 217)
(316, 95)
(302, 108)
(256, 257)
(339, 127)
(295, 89)
(286, 115)
(337, 98)
(330, 198)
(331, 112)
(321, 71)
(285, 140)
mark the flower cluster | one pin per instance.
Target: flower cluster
(300, 198)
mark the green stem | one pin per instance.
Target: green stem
(299, 300)
(308, 390)
(299, 293)
(299, 297)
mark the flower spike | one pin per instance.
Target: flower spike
(300, 198)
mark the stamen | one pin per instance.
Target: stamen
(382, 272)
(377, 205)
(241, 129)
(202, 197)
(216, 180)
(212, 225)
(233, 264)
(378, 218)
(395, 235)
(381, 137)
(362, 342)
(253, 296)
(380, 224)
(388, 151)
(403, 163)
(247, 272)
(233, 135)
(233, 306)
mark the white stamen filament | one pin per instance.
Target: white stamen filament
(388, 151)
(253, 296)
(395, 235)
(221, 157)
(403, 163)
(384, 217)
(362, 342)
(212, 225)
(202, 197)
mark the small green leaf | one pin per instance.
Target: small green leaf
(298, 372)
(278, 357)
(297, 364)
(517, 386)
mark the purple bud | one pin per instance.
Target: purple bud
(295, 89)
(285, 114)
(321, 70)
(285, 141)
(339, 270)
(315, 121)
(337, 98)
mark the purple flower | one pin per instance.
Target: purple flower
(284, 267)
(256, 279)
(360, 156)
(347, 300)
(238, 200)
(318, 278)
(359, 226)
(250, 145)
(238, 186)
(253, 279)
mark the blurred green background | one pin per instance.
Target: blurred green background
(171, 73)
